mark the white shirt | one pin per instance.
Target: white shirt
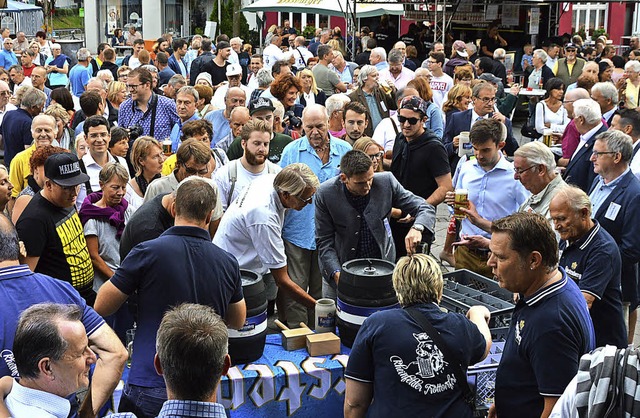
(93, 171)
(270, 55)
(26, 402)
(7, 108)
(134, 62)
(25, 82)
(384, 134)
(217, 101)
(244, 177)
(233, 58)
(301, 54)
(252, 84)
(635, 161)
(251, 229)
(440, 87)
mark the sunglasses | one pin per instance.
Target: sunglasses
(412, 121)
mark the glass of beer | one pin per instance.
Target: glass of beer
(547, 137)
(166, 147)
(461, 201)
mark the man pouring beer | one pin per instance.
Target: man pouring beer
(492, 191)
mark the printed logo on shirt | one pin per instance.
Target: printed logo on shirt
(424, 374)
(439, 85)
(519, 328)
(10, 361)
(74, 247)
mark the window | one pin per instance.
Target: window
(589, 17)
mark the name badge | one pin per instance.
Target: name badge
(612, 211)
(384, 107)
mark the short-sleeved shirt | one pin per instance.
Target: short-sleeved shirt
(440, 87)
(220, 124)
(182, 265)
(20, 288)
(55, 235)
(326, 79)
(20, 169)
(251, 229)
(276, 146)
(79, 77)
(243, 178)
(407, 369)
(129, 114)
(149, 222)
(299, 228)
(271, 54)
(593, 262)
(550, 330)
(108, 247)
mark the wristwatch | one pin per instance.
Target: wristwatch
(418, 227)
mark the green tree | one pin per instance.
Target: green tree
(233, 21)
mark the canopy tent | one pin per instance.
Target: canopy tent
(18, 16)
(325, 7)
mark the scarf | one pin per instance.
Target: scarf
(608, 383)
(143, 183)
(114, 215)
(59, 61)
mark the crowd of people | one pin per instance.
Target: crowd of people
(135, 190)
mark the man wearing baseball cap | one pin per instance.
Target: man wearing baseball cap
(461, 57)
(569, 67)
(420, 163)
(234, 79)
(51, 230)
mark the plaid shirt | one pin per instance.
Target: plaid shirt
(178, 409)
(367, 246)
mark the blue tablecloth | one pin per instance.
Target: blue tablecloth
(281, 384)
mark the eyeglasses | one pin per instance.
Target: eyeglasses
(133, 86)
(5, 93)
(306, 201)
(599, 153)
(519, 171)
(487, 99)
(412, 121)
(194, 171)
(375, 156)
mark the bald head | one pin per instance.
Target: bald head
(315, 111)
(573, 95)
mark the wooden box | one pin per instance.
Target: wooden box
(323, 344)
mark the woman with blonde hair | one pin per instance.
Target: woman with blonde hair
(458, 99)
(373, 151)
(65, 135)
(147, 158)
(117, 93)
(310, 93)
(380, 386)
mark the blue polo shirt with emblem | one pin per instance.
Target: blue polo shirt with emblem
(180, 266)
(550, 330)
(593, 262)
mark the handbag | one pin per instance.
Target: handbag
(529, 129)
(461, 377)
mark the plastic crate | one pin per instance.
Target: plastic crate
(481, 283)
(459, 298)
(482, 377)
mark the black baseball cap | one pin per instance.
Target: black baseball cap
(63, 169)
(261, 103)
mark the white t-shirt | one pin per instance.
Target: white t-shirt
(440, 87)
(251, 229)
(384, 134)
(134, 62)
(270, 55)
(301, 54)
(217, 101)
(244, 177)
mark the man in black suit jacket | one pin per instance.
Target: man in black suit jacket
(483, 108)
(111, 113)
(618, 210)
(588, 121)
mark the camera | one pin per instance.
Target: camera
(134, 132)
(294, 121)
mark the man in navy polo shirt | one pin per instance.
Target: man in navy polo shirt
(182, 265)
(550, 327)
(591, 258)
(21, 288)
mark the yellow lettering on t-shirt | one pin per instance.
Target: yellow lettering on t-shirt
(75, 249)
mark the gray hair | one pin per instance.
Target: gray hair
(471, 47)
(381, 52)
(574, 197)
(480, 87)
(83, 54)
(177, 79)
(608, 91)
(264, 77)
(295, 178)
(542, 54)
(499, 53)
(618, 141)
(113, 171)
(632, 65)
(38, 335)
(103, 83)
(151, 68)
(33, 97)
(106, 74)
(395, 56)
(365, 72)
(589, 109)
(189, 90)
(9, 241)
(49, 118)
(537, 153)
(336, 102)
(279, 109)
(238, 109)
